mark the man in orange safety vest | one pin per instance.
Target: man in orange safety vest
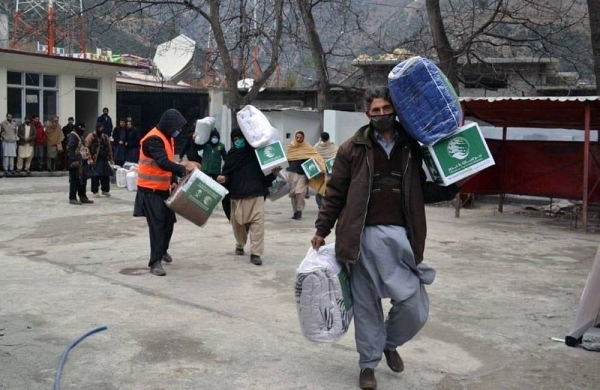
(156, 176)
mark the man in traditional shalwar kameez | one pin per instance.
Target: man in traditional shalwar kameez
(26, 134)
(377, 195)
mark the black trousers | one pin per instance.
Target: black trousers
(161, 221)
(77, 184)
(100, 181)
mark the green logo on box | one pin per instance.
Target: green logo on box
(311, 169)
(344, 279)
(430, 163)
(461, 151)
(202, 196)
(270, 153)
(329, 165)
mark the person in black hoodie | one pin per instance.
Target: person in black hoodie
(78, 154)
(190, 150)
(247, 187)
(156, 177)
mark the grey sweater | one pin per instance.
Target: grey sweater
(8, 131)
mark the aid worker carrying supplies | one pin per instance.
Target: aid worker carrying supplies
(157, 172)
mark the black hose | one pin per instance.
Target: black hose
(63, 358)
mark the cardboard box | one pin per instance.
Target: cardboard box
(271, 157)
(329, 165)
(311, 168)
(196, 197)
(458, 155)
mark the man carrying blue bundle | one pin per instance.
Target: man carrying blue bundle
(377, 195)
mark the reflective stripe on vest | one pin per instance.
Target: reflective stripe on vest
(150, 175)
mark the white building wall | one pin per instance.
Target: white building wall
(108, 93)
(289, 121)
(342, 125)
(66, 101)
(66, 71)
(3, 98)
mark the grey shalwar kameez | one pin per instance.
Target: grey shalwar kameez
(387, 269)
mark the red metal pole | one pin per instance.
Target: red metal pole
(503, 171)
(82, 35)
(50, 29)
(586, 166)
(458, 199)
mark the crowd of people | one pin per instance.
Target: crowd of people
(31, 146)
(374, 199)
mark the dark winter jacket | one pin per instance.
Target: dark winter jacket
(192, 151)
(349, 189)
(244, 178)
(154, 147)
(107, 124)
(21, 134)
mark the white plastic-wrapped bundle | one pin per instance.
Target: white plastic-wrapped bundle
(203, 128)
(323, 297)
(280, 186)
(121, 177)
(130, 165)
(131, 180)
(425, 101)
(113, 177)
(196, 197)
(256, 127)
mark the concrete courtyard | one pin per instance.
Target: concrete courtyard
(506, 283)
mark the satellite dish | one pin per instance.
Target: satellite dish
(246, 84)
(174, 58)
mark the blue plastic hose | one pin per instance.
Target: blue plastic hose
(63, 358)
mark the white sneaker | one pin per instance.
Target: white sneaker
(96, 195)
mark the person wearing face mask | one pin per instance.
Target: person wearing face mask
(78, 154)
(157, 175)
(247, 187)
(377, 196)
(213, 154)
(101, 158)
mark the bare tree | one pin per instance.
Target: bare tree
(470, 31)
(594, 13)
(236, 27)
(327, 28)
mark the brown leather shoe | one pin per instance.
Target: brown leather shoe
(157, 269)
(86, 200)
(394, 361)
(367, 379)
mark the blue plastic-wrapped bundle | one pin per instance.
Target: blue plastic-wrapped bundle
(425, 102)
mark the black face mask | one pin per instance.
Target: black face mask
(383, 122)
